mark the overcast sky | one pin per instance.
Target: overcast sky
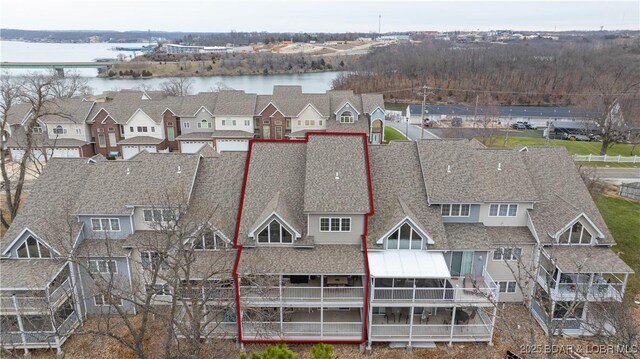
(317, 16)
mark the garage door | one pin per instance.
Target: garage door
(191, 146)
(66, 152)
(129, 151)
(232, 145)
(17, 155)
(150, 149)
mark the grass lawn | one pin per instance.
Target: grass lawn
(576, 147)
(609, 164)
(623, 219)
(391, 134)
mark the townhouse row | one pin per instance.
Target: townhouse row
(326, 239)
(120, 124)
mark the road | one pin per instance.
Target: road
(414, 131)
(621, 175)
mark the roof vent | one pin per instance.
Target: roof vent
(499, 166)
(337, 176)
(179, 170)
(448, 169)
(128, 171)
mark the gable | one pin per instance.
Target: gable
(270, 110)
(406, 220)
(588, 225)
(309, 112)
(34, 242)
(347, 107)
(274, 216)
(100, 116)
(108, 121)
(140, 117)
(378, 113)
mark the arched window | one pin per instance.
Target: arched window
(346, 117)
(59, 130)
(31, 248)
(204, 124)
(274, 233)
(404, 237)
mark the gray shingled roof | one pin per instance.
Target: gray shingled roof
(235, 103)
(477, 236)
(274, 167)
(108, 190)
(371, 101)
(344, 156)
(360, 126)
(67, 110)
(57, 187)
(195, 136)
(340, 98)
(587, 259)
(17, 113)
(140, 140)
(322, 259)
(456, 172)
(562, 193)
(392, 187)
(28, 274)
(231, 134)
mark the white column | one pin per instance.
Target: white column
(411, 323)
(370, 312)
(280, 302)
(493, 323)
(624, 285)
(321, 306)
(20, 325)
(453, 317)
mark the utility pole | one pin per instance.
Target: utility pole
(424, 100)
(475, 113)
(379, 24)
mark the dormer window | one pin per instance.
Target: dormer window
(204, 124)
(404, 237)
(209, 240)
(346, 117)
(158, 215)
(275, 233)
(31, 248)
(576, 234)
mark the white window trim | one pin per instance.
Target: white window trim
(24, 243)
(105, 303)
(450, 211)
(163, 259)
(105, 230)
(508, 205)
(97, 266)
(347, 119)
(506, 286)
(153, 220)
(269, 242)
(330, 220)
(501, 251)
(217, 237)
(580, 243)
(410, 239)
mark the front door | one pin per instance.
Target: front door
(171, 136)
(266, 131)
(375, 138)
(279, 132)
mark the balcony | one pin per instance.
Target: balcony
(581, 286)
(215, 324)
(40, 339)
(436, 327)
(480, 290)
(308, 325)
(349, 293)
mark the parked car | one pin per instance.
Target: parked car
(456, 122)
(575, 137)
(519, 126)
(428, 123)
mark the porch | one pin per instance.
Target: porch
(431, 325)
(308, 324)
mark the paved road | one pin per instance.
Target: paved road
(414, 131)
(625, 175)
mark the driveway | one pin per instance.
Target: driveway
(412, 131)
(613, 174)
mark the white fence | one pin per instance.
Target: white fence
(606, 158)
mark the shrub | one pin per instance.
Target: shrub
(322, 351)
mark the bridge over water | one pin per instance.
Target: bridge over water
(58, 66)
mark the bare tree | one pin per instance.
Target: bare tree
(177, 86)
(71, 85)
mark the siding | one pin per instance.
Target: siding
(193, 122)
(84, 135)
(125, 227)
(474, 216)
(240, 123)
(520, 220)
(142, 119)
(353, 237)
(121, 282)
(500, 271)
(308, 114)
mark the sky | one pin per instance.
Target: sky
(318, 16)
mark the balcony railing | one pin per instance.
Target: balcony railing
(43, 339)
(304, 294)
(61, 292)
(302, 329)
(584, 290)
(466, 332)
(209, 294)
(416, 294)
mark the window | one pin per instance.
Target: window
(247, 122)
(404, 237)
(105, 224)
(507, 286)
(346, 117)
(158, 289)
(228, 122)
(186, 125)
(210, 240)
(100, 130)
(204, 124)
(143, 129)
(455, 210)
(153, 129)
(309, 122)
(299, 122)
(508, 254)
(122, 130)
(105, 300)
(112, 130)
(576, 234)
(131, 129)
(59, 130)
(275, 233)
(158, 215)
(78, 131)
(288, 123)
(37, 128)
(103, 266)
(101, 141)
(31, 248)
(151, 260)
(319, 122)
(503, 210)
(335, 224)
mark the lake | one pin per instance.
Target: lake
(262, 84)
